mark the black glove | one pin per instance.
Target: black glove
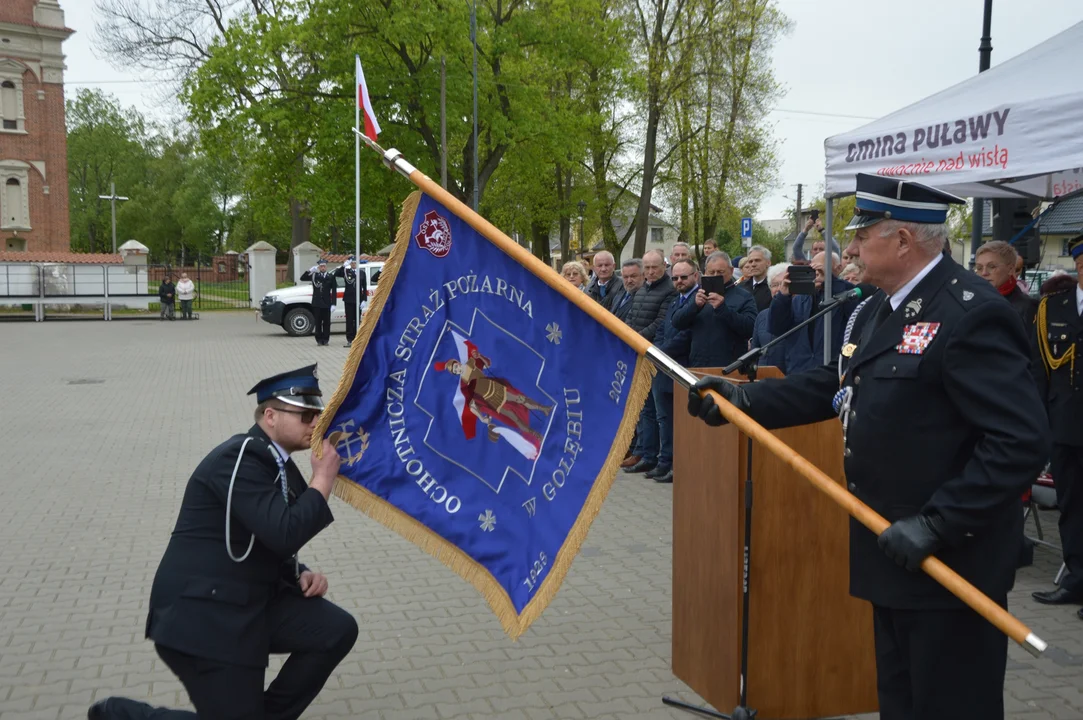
(705, 408)
(910, 540)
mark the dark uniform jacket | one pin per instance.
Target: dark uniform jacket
(650, 305)
(719, 336)
(1059, 329)
(202, 602)
(612, 289)
(349, 279)
(957, 429)
(324, 288)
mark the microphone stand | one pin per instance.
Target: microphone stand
(748, 365)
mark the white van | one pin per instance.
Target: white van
(291, 308)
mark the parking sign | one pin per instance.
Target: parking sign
(746, 231)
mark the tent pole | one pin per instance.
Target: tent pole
(985, 49)
(829, 268)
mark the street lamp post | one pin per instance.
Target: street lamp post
(582, 240)
(112, 197)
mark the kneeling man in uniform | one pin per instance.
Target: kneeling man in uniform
(230, 590)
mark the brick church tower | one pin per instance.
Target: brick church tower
(33, 138)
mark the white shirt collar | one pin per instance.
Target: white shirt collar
(899, 297)
(281, 451)
(1079, 299)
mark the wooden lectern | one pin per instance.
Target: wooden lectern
(810, 644)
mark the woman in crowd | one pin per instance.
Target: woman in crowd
(574, 272)
(761, 335)
(995, 262)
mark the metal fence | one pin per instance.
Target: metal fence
(220, 283)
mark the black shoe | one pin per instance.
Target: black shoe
(347, 345)
(99, 711)
(658, 471)
(667, 478)
(642, 466)
(1060, 596)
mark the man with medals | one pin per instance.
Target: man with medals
(229, 590)
(944, 431)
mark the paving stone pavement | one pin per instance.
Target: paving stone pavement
(100, 426)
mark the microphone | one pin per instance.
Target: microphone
(856, 292)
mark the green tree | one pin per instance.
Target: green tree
(106, 144)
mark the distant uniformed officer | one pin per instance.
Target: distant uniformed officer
(229, 590)
(1058, 370)
(324, 297)
(351, 278)
(943, 431)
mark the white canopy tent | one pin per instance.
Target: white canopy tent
(1013, 130)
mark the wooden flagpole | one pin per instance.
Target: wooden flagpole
(935, 568)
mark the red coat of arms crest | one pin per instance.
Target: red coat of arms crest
(434, 234)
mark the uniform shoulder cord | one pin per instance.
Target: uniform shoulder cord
(1050, 362)
(229, 507)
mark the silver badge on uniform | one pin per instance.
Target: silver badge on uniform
(912, 308)
(967, 296)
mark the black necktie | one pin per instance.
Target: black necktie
(882, 314)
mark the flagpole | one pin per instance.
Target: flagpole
(357, 192)
(935, 568)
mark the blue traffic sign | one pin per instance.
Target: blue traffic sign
(746, 228)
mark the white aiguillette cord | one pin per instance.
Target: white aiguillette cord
(229, 506)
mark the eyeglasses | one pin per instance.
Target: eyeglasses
(307, 416)
(683, 277)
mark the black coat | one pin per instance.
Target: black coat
(1024, 304)
(202, 602)
(761, 292)
(167, 292)
(349, 293)
(1061, 389)
(673, 341)
(719, 336)
(650, 305)
(612, 289)
(958, 430)
(621, 304)
(324, 288)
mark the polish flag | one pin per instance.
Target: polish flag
(372, 127)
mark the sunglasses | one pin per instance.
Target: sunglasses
(307, 416)
(682, 277)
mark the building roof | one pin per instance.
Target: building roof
(1066, 218)
(66, 258)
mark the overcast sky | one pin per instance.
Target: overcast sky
(845, 63)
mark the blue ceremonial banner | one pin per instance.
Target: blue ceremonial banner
(482, 414)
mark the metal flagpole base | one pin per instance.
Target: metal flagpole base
(739, 713)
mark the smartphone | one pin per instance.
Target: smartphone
(815, 215)
(802, 279)
(713, 284)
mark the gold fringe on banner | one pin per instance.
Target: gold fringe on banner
(416, 532)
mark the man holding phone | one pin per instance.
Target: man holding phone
(721, 316)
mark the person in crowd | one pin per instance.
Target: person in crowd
(220, 605)
(676, 343)
(353, 284)
(761, 332)
(1057, 349)
(852, 273)
(167, 294)
(710, 247)
(681, 251)
(631, 272)
(721, 324)
(995, 263)
(1059, 281)
(817, 246)
(755, 276)
(604, 286)
(649, 309)
(324, 297)
(944, 431)
(804, 350)
(186, 293)
(574, 272)
(1020, 271)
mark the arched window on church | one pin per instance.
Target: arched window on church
(9, 105)
(13, 204)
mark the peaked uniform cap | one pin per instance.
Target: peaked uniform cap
(300, 388)
(881, 198)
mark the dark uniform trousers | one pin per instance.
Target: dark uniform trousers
(1058, 372)
(215, 621)
(943, 418)
(351, 321)
(323, 324)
